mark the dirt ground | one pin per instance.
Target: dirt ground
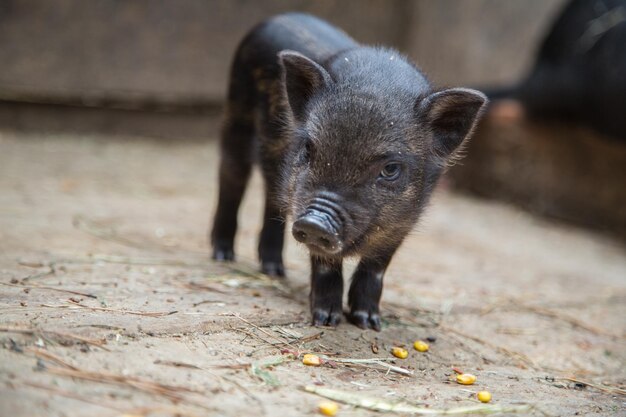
(110, 306)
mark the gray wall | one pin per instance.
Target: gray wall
(478, 42)
(178, 51)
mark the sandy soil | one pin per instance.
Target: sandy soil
(110, 306)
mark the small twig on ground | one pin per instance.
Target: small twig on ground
(299, 340)
(232, 366)
(265, 332)
(606, 388)
(31, 263)
(259, 368)
(142, 411)
(73, 395)
(126, 260)
(523, 359)
(374, 361)
(51, 271)
(40, 353)
(43, 287)
(199, 303)
(196, 286)
(383, 405)
(310, 338)
(512, 304)
(248, 333)
(145, 261)
(287, 333)
(93, 342)
(114, 310)
(176, 364)
(173, 393)
(394, 307)
(568, 319)
(160, 410)
(102, 326)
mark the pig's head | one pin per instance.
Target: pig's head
(363, 164)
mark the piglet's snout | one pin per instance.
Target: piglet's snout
(321, 226)
(315, 231)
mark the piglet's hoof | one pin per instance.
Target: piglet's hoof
(365, 320)
(327, 317)
(222, 254)
(273, 269)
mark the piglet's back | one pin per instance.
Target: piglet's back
(298, 32)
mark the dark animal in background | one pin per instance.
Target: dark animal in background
(351, 141)
(580, 71)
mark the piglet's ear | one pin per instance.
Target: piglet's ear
(302, 78)
(451, 115)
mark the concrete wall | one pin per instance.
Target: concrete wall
(100, 52)
(478, 42)
(172, 50)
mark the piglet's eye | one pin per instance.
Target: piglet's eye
(390, 172)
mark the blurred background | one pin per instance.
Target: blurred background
(175, 55)
(109, 125)
(159, 69)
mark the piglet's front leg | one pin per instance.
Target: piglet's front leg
(365, 292)
(326, 291)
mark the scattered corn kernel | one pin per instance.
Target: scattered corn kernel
(328, 408)
(399, 352)
(465, 379)
(420, 346)
(484, 396)
(311, 360)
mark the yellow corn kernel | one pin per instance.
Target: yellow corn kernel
(421, 346)
(328, 408)
(465, 379)
(399, 352)
(311, 360)
(484, 396)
